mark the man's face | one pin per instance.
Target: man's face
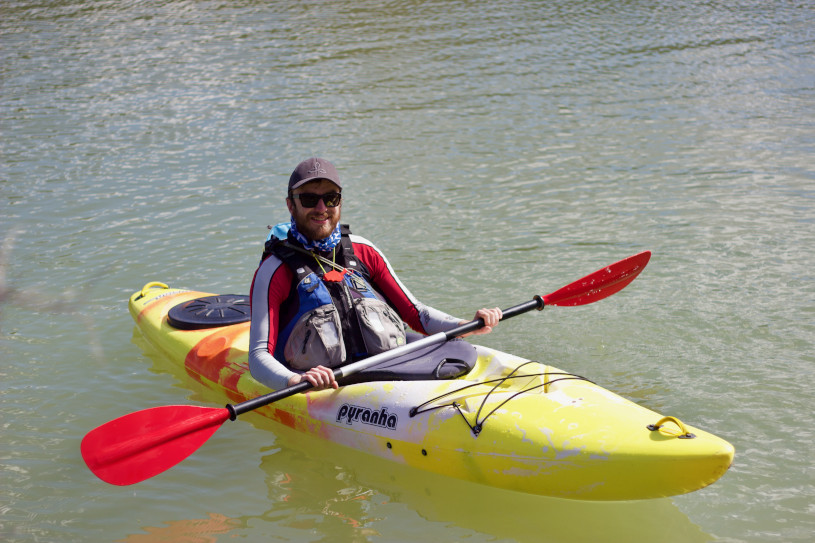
(317, 222)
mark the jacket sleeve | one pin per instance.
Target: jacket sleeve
(417, 315)
(270, 287)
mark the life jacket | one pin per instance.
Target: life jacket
(331, 317)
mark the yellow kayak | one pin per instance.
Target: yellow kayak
(510, 422)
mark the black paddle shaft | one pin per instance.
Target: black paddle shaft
(472, 326)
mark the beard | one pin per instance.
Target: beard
(316, 225)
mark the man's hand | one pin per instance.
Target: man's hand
(319, 377)
(491, 318)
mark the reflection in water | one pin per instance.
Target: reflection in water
(186, 531)
(357, 489)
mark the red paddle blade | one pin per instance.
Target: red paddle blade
(141, 445)
(600, 284)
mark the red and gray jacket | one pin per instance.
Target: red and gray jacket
(296, 311)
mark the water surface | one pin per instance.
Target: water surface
(494, 150)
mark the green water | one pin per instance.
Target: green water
(493, 150)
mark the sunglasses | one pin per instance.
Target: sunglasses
(309, 199)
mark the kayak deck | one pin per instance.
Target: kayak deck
(509, 423)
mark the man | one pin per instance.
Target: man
(323, 297)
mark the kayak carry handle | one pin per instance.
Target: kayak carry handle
(148, 286)
(684, 434)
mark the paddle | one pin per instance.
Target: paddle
(143, 444)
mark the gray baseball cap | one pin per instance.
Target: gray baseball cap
(312, 169)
